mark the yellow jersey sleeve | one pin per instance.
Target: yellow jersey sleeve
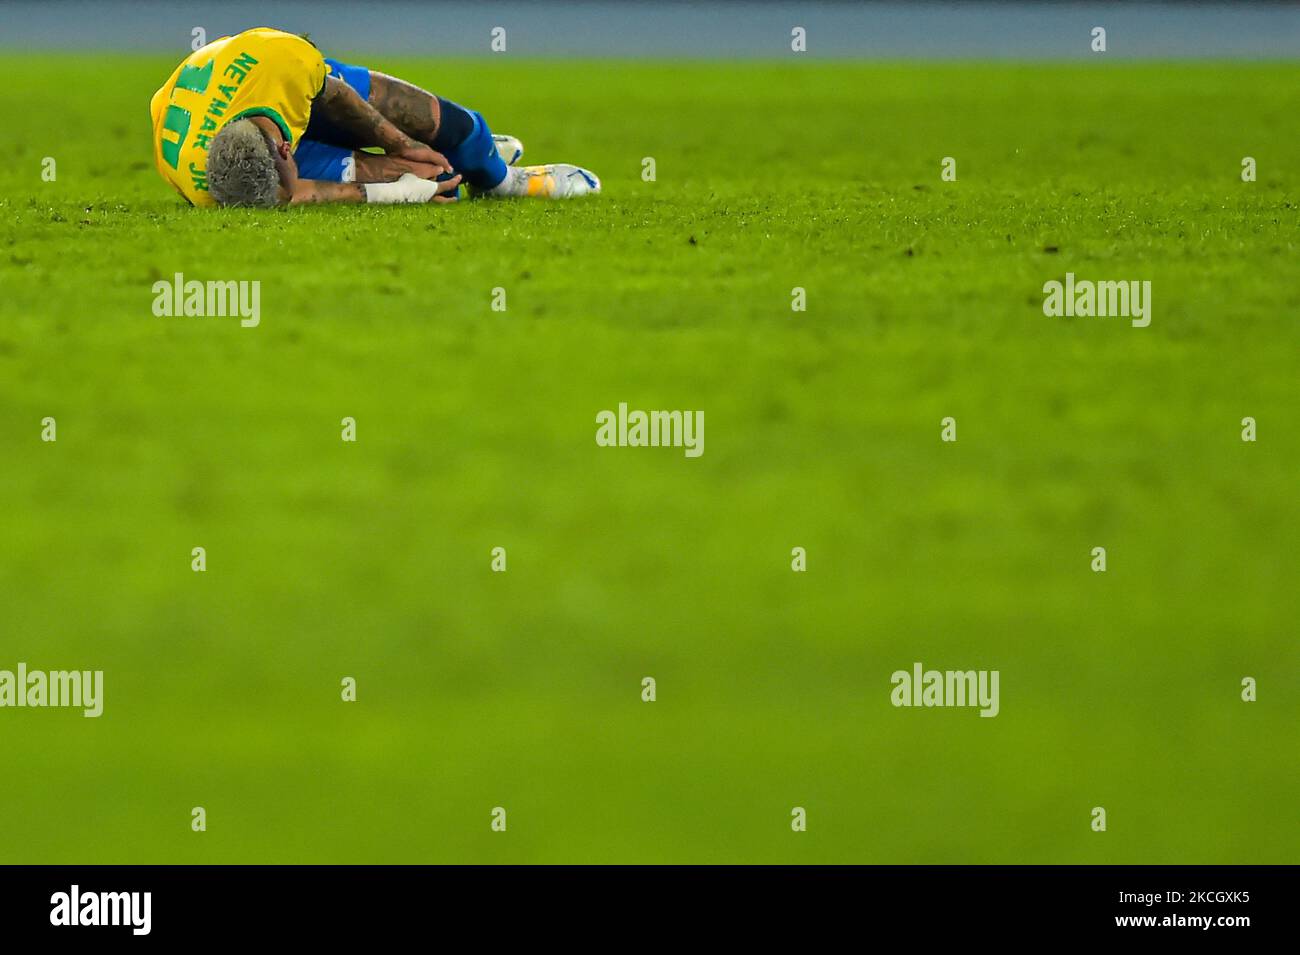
(261, 72)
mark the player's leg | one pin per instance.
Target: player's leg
(459, 134)
(321, 129)
(419, 115)
(463, 136)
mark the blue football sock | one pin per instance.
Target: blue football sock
(464, 138)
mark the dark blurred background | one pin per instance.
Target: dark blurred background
(712, 30)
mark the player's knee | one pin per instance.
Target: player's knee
(456, 126)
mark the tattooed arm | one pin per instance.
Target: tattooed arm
(343, 106)
(376, 167)
(407, 188)
(318, 190)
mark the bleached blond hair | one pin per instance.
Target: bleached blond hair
(241, 166)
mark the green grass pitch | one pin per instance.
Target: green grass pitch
(476, 430)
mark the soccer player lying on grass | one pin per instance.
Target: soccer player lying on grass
(262, 118)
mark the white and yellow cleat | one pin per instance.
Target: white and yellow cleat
(509, 149)
(559, 180)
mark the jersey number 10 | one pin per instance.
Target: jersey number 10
(177, 120)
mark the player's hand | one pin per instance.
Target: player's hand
(419, 152)
(410, 188)
(444, 187)
(426, 190)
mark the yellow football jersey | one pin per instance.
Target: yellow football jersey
(258, 72)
